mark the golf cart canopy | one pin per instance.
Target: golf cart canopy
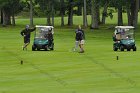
(124, 27)
(42, 31)
(45, 26)
(124, 32)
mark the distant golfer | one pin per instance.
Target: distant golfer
(49, 37)
(26, 34)
(80, 39)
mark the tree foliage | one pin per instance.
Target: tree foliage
(10, 8)
(73, 7)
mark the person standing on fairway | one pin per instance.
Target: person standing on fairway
(80, 39)
(26, 34)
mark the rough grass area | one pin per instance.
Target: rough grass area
(63, 71)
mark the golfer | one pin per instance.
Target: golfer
(26, 34)
(49, 37)
(80, 39)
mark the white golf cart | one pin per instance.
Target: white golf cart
(43, 38)
(124, 38)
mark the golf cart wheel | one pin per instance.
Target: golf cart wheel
(52, 46)
(128, 49)
(134, 48)
(33, 48)
(38, 49)
(46, 48)
(114, 48)
(122, 48)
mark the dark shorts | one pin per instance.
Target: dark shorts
(26, 40)
(79, 39)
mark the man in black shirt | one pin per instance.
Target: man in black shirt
(49, 37)
(26, 33)
(80, 38)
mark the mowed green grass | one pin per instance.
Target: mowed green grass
(63, 71)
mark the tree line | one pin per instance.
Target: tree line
(10, 8)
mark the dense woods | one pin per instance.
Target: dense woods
(98, 9)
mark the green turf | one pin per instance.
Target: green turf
(63, 71)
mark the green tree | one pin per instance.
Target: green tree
(48, 7)
(31, 13)
(70, 12)
(104, 13)
(134, 11)
(85, 14)
(79, 6)
(30, 6)
(119, 5)
(5, 8)
(9, 8)
(132, 8)
(45, 7)
(62, 11)
(94, 14)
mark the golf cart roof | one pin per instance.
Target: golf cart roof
(44, 26)
(124, 27)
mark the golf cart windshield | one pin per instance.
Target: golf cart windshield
(42, 31)
(124, 32)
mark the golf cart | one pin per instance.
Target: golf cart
(124, 38)
(43, 38)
